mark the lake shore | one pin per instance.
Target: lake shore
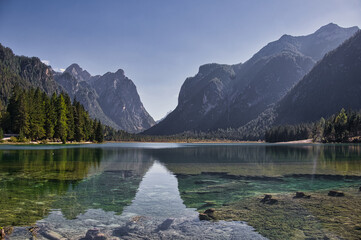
(304, 141)
(7, 142)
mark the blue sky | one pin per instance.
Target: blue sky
(159, 43)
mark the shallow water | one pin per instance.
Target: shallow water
(142, 190)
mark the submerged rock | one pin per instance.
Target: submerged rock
(94, 234)
(301, 195)
(208, 214)
(52, 235)
(335, 194)
(204, 217)
(165, 225)
(268, 200)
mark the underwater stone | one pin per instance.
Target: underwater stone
(335, 194)
(207, 215)
(52, 235)
(165, 225)
(268, 200)
(94, 234)
(301, 195)
(203, 216)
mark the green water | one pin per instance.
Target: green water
(37, 180)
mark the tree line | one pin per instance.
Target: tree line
(345, 126)
(34, 115)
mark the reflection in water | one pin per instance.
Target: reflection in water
(31, 180)
(158, 196)
(156, 212)
(106, 185)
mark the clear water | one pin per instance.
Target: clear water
(143, 190)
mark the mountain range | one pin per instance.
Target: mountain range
(334, 83)
(223, 96)
(291, 80)
(111, 98)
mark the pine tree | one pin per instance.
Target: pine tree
(36, 115)
(69, 116)
(50, 119)
(99, 136)
(78, 122)
(61, 126)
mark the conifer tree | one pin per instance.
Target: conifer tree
(69, 116)
(99, 136)
(50, 117)
(78, 122)
(36, 115)
(61, 126)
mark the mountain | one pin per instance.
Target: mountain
(25, 72)
(222, 96)
(78, 73)
(111, 98)
(334, 83)
(76, 87)
(120, 101)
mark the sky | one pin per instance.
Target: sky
(159, 43)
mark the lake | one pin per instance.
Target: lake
(157, 190)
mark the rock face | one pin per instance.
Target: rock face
(85, 94)
(111, 98)
(119, 99)
(334, 83)
(221, 96)
(25, 72)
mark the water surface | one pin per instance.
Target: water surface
(156, 190)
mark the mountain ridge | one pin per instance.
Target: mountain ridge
(112, 98)
(222, 96)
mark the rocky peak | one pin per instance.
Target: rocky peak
(78, 73)
(222, 96)
(328, 28)
(120, 72)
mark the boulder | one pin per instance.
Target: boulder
(301, 195)
(335, 194)
(52, 235)
(207, 215)
(94, 234)
(203, 216)
(165, 225)
(268, 200)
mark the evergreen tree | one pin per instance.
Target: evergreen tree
(69, 116)
(61, 125)
(50, 116)
(78, 122)
(99, 136)
(36, 115)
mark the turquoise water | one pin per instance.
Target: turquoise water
(111, 186)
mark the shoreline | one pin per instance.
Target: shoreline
(297, 142)
(304, 141)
